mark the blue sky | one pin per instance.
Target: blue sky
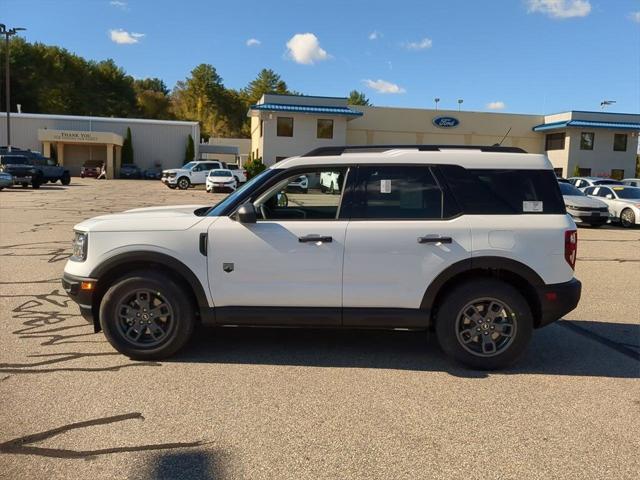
(522, 56)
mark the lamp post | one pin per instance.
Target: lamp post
(606, 103)
(436, 100)
(460, 103)
(8, 32)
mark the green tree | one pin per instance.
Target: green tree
(576, 171)
(267, 81)
(190, 152)
(153, 99)
(358, 98)
(127, 148)
(254, 166)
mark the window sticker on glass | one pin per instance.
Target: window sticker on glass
(618, 188)
(385, 186)
(532, 206)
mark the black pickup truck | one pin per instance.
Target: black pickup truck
(31, 168)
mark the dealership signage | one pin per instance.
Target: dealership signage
(446, 122)
(79, 136)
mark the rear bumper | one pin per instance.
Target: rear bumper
(557, 300)
(84, 298)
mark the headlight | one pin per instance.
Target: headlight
(79, 247)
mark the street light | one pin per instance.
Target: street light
(460, 103)
(436, 100)
(606, 103)
(8, 32)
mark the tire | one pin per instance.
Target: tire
(458, 335)
(183, 183)
(65, 179)
(36, 182)
(177, 317)
(24, 184)
(627, 218)
(82, 175)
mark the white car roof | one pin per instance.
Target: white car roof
(463, 157)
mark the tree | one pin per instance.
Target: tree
(127, 148)
(253, 167)
(267, 81)
(358, 98)
(190, 152)
(153, 100)
(576, 171)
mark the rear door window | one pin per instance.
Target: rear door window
(504, 191)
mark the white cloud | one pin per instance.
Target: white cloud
(118, 4)
(421, 45)
(561, 8)
(375, 35)
(253, 42)
(496, 105)
(123, 37)
(305, 48)
(382, 86)
(635, 16)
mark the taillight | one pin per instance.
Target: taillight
(571, 247)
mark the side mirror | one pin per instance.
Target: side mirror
(247, 213)
(610, 196)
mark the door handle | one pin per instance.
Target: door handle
(315, 238)
(438, 239)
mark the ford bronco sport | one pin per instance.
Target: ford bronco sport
(474, 242)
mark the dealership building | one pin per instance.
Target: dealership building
(596, 143)
(72, 140)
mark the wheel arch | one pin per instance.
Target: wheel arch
(116, 267)
(513, 272)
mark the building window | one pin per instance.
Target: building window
(285, 127)
(325, 128)
(620, 142)
(584, 172)
(554, 141)
(261, 127)
(586, 140)
(617, 173)
(558, 172)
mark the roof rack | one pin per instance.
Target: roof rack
(340, 150)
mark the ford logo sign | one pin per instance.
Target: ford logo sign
(446, 122)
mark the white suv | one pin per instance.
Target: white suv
(190, 174)
(472, 241)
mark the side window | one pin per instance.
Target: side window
(307, 195)
(603, 192)
(397, 192)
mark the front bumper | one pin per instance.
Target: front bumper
(83, 297)
(169, 180)
(558, 299)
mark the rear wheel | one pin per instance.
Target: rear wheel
(65, 179)
(627, 218)
(24, 184)
(484, 324)
(147, 316)
(183, 183)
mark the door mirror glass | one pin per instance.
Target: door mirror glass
(610, 196)
(246, 213)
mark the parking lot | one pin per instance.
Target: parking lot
(302, 404)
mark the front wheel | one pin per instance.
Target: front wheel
(484, 324)
(147, 316)
(183, 183)
(627, 218)
(36, 182)
(65, 179)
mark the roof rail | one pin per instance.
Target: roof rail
(339, 150)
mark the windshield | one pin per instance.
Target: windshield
(568, 189)
(607, 182)
(243, 191)
(628, 193)
(189, 166)
(219, 173)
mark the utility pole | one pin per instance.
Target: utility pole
(8, 32)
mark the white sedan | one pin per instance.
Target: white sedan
(221, 179)
(623, 202)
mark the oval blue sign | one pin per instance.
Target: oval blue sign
(446, 122)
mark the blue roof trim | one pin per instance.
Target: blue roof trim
(588, 124)
(281, 107)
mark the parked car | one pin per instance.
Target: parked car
(191, 174)
(631, 182)
(300, 184)
(6, 180)
(130, 170)
(473, 241)
(26, 171)
(153, 173)
(583, 182)
(91, 168)
(584, 210)
(623, 202)
(239, 173)
(221, 180)
(44, 169)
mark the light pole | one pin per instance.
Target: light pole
(436, 100)
(606, 103)
(8, 32)
(460, 103)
